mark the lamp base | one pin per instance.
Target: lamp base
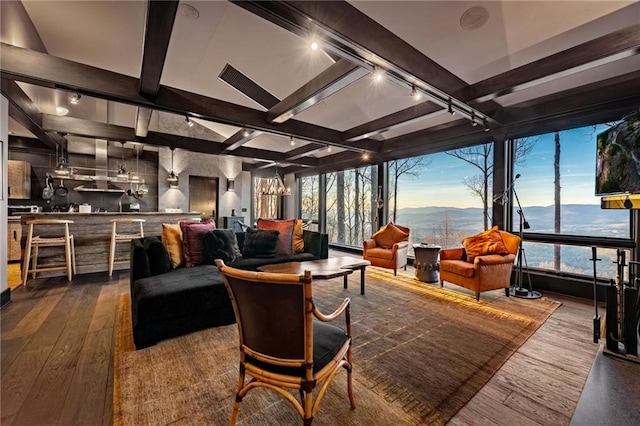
(524, 293)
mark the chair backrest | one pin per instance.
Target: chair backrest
(404, 229)
(274, 314)
(511, 241)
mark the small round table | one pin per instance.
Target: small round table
(426, 262)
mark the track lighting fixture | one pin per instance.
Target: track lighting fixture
(173, 176)
(473, 119)
(292, 142)
(486, 125)
(246, 133)
(415, 94)
(377, 73)
(74, 98)
(188, 120)
(328, 148)
(450, 107)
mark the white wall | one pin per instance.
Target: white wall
(4, 154)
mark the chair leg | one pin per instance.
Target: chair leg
(236, 404)
(67, 255)
(395, 272)
(73, 255)
(27, 257)
(477, 296)
(506, 292)
(34, 262)
(307, 404)
(349, 381)
(112, 249)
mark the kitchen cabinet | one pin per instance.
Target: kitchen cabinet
(14, 234)
(19, 180)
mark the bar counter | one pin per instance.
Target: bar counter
(92, 235)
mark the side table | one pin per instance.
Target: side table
(426, 262)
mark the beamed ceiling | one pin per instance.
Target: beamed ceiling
(245, 74)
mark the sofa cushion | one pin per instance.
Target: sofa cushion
(458, 267)
(159, 259)
(380, 253)
(260, 243)
(180, 292)
(172, 239)
(486, 242)
(389, 235)
(192, 246)
(220, 244)
(286, 230)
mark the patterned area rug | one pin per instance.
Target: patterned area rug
(420, 354)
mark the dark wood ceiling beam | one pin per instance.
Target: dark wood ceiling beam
(92, 129)
(49, 71)
(160, 18)
(613, 46)
(335, 78)
(239, 138)
(304, 150)
(26, 113)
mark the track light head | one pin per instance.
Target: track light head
(188, 120)
(377, 73)
(415, 94)
(473, 119)
(74, 98)
(291, 141)
(450, 108)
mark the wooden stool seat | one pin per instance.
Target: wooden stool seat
(35, 242)
(122, 238)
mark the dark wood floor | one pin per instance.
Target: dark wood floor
(58, 338)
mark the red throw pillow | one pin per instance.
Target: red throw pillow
(389, 235)
(192, 245)
(487, 242)
(286, 228)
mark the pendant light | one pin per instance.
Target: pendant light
(173, 176)
(122, 170)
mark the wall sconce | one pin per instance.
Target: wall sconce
(173, 176)
(231, 185)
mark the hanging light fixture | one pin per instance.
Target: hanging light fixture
(62, 169)
(279, 183)
(173, 176)
(122, 170)
(136, 175)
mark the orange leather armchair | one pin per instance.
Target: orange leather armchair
(488, 272)
(391, 258)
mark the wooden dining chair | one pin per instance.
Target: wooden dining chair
(285, 341)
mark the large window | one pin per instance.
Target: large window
(310, 201)
(442, 197)
(556, 189)
(351, 205)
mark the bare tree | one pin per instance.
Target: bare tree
(409, 167)
(481, 157)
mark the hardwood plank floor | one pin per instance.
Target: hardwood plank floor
(57, 343)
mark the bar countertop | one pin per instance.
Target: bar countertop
(92, 236)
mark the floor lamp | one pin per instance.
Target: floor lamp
(518, 289)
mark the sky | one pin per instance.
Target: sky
(441, 182)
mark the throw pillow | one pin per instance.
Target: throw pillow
(158, 255)
(221, 244)
(285, 228)
(486, 242)
(260, 243)
(298, 241)
(192, 247)
(172, 239)
(389, 235)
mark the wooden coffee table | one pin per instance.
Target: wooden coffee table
(323, 269)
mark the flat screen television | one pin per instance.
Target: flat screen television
(618, 158)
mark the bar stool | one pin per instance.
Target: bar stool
(38, 241)
(121, 238)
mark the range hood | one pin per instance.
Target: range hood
(101, 182)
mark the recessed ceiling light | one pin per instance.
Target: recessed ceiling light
(189, 11)
(60, 110)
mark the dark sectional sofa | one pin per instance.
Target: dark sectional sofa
(185, 300)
